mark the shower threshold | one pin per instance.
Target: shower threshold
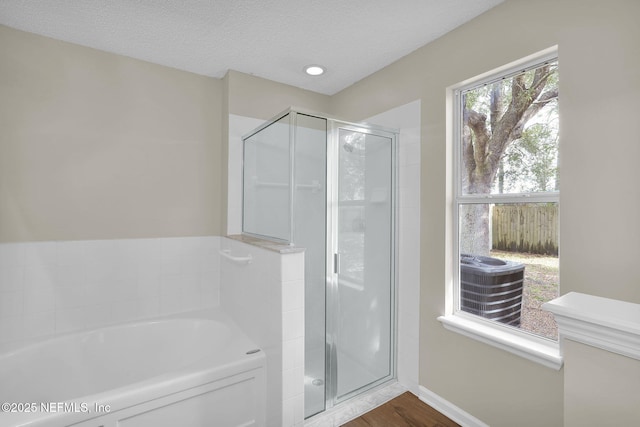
(357, 405)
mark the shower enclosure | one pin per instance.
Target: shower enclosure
(328, 186)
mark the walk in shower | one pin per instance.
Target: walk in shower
(328, 186)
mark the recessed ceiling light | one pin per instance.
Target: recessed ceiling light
(314, 70)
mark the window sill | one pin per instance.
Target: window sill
(542, 351)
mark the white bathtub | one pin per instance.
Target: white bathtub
(191, 370)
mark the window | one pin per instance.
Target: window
(506, 196)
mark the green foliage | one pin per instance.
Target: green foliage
(530, 164)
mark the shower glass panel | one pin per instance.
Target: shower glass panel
(266, 180)
(365, 273)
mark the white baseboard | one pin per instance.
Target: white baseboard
(449, 409)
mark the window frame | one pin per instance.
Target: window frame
(525, 344)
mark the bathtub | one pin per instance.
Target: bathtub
(195, 370)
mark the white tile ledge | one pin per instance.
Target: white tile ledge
(604, 323)
(281, 248)
(542, 351)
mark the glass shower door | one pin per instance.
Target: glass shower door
(364, 264)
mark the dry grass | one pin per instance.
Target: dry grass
(541, 280)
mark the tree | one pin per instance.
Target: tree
(494, 117)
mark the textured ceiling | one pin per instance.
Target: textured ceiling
(273, 39)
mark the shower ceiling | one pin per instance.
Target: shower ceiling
(273, 39)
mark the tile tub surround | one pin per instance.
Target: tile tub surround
(266, 299)
(48, 288)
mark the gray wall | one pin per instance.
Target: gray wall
(95, 145)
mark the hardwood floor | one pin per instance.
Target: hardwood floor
(405, 410)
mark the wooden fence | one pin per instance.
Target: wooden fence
(525, 228)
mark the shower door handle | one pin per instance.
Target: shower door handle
(336, 263)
